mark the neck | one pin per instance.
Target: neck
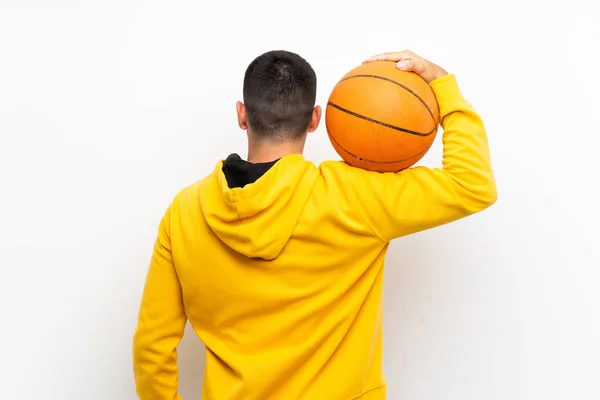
(260, 152)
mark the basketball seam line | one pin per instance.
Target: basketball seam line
(397, 128)
(375, 161)
(395, 83)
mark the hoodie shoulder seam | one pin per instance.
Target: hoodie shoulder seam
(241, 222)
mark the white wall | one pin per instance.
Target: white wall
(108, 108)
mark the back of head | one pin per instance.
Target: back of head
(279, 94)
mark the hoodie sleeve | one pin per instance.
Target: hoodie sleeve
(416, 199)
(161, 325)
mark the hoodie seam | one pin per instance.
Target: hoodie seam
(367, 391)
(241, 219)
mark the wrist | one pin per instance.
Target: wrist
(438, 73)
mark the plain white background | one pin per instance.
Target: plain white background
(108, 108)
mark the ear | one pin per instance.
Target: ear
(241, 115)
(316, 118)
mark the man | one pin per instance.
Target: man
(278, 264)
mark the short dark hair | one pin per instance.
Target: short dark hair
(280, 90)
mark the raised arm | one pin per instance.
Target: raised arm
(420, 198)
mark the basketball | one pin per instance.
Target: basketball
(380, 118)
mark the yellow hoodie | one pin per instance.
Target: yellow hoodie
(282, 279)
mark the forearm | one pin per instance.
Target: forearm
(466, 156)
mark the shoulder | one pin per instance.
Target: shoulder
(347, 172)
(334, 167)
(190, 195)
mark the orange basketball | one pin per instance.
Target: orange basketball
(380, 118)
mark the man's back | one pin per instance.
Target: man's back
(282, 283)
(282, 277)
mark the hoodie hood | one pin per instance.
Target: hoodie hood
(257, 220)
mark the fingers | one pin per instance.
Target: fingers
(405, 60)
(385, 57)
(416, 65)
(391, 56)
(408, 61)
(406, 65)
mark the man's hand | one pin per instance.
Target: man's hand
(410, 62)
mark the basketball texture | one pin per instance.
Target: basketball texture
(382, 119)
